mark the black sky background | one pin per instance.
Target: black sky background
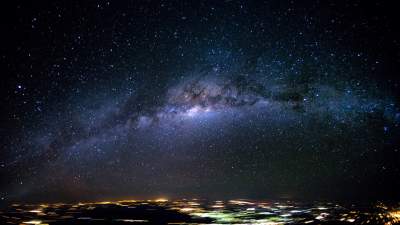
(58, 55)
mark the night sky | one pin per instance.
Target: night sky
(210, 99)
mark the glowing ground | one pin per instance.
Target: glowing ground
(194, 211)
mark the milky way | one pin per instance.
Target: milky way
(142, 134)
(241, 100)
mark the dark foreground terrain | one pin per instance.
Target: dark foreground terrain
(194, 211)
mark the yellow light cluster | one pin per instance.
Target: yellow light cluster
(36, 222)
(394, 217)
(161, 200)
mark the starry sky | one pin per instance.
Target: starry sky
(211, 99)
